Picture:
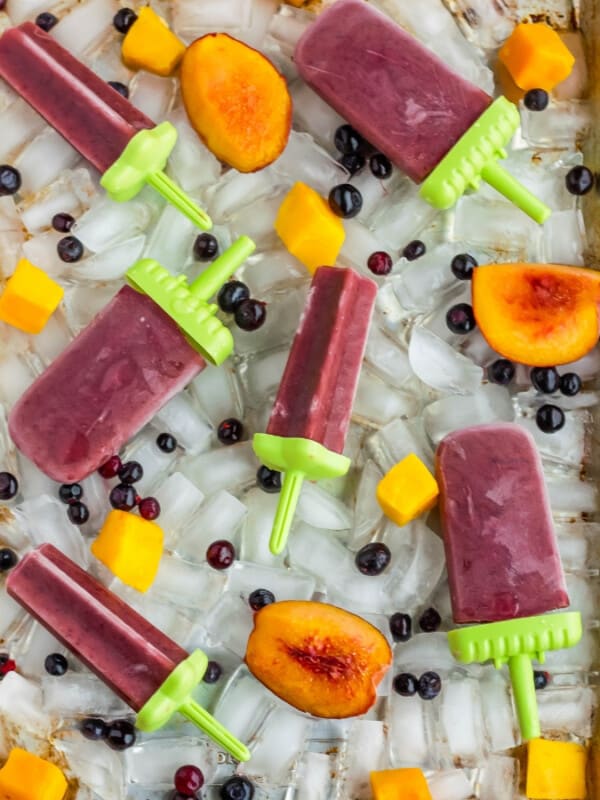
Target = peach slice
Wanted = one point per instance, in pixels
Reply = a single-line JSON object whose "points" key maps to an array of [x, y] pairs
{"points": [[317, 657], [537, 314]]}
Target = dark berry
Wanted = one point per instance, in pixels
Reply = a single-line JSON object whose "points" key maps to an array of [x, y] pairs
{"points": [[460, 318], [502, 371], [231, 295], [131, 472], [213, 672], [46, 21], [10, 180], [401, 627], [124, 19], [540, 679], [430, 620], [570, 384], [93, 728], [269, 480], [123, 497], [353, 162], [70, 492], [78, 513], [7, 664], [9, 486], [549, 418], [149, 508], [373, 558], [56, 664], [220, 554], [63, 222], [462, 266], [250, 314], [69, 249], [166, 442], [414, 250], [237, 788], [120, 734], [188, 780], [8, 559], [260, 598], [381, 166], [230, 431], [347, 140], [380, 263], [545, 379], [405, 684], [206, 247], [536, 99], [345, 200], [579, 180], [121, 88], [430, 685], [111, 467]]}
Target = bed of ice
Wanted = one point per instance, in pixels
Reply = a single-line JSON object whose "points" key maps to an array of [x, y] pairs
{"points": [[419, 382]]}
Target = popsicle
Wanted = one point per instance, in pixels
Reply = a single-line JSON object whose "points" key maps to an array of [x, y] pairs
{"points": [[502, 556], [437, 127], [307, 429], [137, 353], [149, 671], [121, 142]]}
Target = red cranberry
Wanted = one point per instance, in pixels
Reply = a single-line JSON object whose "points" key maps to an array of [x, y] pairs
{"points": [[188, 779], [7, 664], [149, 508], [380, 263], [220, 554], [111, 467]]}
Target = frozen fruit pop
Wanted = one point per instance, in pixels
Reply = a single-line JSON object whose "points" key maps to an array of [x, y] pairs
{"points": [[437, 127], [307, 429], [149, 671], [136, 354], [121, 142]]}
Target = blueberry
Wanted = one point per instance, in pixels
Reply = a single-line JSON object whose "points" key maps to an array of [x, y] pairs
{"points": [[545, 379], [131, 472], [353, 162], [269, 480], [579, 180], [460, 318], [260, 598], [430, 685], [78, 513], [250, 314], [536, 99], [570, 384], [119, 87], [430, 620], [206, 247], [373, 558], [414, 250], [347, 140], [63, 222], [56, 664], [10, 180], [213, 672], [540, 679], [69, 249], [8, 559], [230, 431], [70, 492], [120, 734], [463, 265], [93, 728], [231, 295], [166, 442], [549, 418], [381, 166], [237, 788], [124, 19], [123, 497], [9, 486], [345, 200], [501, 371], [406, 684], [46, 21], [401, 627]]}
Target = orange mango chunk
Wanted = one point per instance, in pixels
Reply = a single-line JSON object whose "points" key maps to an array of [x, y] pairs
{"points": [[556, 770], [30, 298], [399, 784], [149, 44], [25, 776], [407, 490], [536, 56]]}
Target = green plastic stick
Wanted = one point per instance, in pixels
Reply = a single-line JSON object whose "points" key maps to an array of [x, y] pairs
{"points": [[213, 728], [286, 508], [523, 685], [222, 268], [175, 195]]}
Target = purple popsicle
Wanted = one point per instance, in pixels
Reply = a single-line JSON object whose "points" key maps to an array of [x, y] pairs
{"points": [[501, 549]]}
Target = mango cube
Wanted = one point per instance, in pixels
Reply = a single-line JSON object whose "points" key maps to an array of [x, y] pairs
{"points": [[149, 44], [28, 777], [556, 770], [130, 547], [399, 784], [309, 228], [407, 490], [536, 57], [30, 298]]}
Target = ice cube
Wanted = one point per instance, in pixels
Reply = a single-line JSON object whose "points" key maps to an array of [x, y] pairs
{"points": [[410, 733], [256, 531], [42, 161], [367, 511], [497, 225], [11, 615], [217, 392], [256, 219], [181, 418], [232, 467], [45, 520], [82, 303], [403, 217], [303, 160], [53, 339], [153, 762], [245, 577], [565, 710], [418, 563], [80, 695], [462, 720], [440, 366], [399, 439], [451, 784], [272, 269], [487, 24], [183, 583], [152, 94], [387, 357], [110, 264], [563, 241], [30, 651], [230, 623], [377, 403], [191, 19], [20, 124], [277, 747], [179, 500], [107, 223], [489, 403], [235, 190], [363, 753], [360, 243], [244, 705], [16, 374], [571, 495], [314, 777], [99, 768], [61, 196], [499, 779], [320, 509], [22, 722], [565, 447], [219, 518], [561, 124], [263, 375], [191, 163], [171, 240], [314, 115], [85, 25], [500, 719], [41, 251]]}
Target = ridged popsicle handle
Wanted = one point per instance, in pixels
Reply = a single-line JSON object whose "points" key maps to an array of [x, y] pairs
{"points": [[213, 728]]}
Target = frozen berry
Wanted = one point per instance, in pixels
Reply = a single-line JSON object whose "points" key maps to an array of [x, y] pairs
{"points": [[414, 250], [430, 620], [545, 379], [401, 627], [8, 559], [131, 472], [149, 508], [188, 779], [353, 162], [10, 180], [347, 140], [381, 166], [120, 734], [56, 664], [220, 554], [70, 492], [231, 295], [540, 679], [213, 672], [78, 513], [405, 684], [345, 200], [269, 480], [63, 222], [570, 384], [110, 468], [430, 685], [460, 318], [123, 497], [549, 418], [230, 431], [7, 664], [119, 87], [536, 99], [166, 442], [237, 788], [373, 558], [260, 598], [462, 266], [380, 263], [579, 180], [206, 247], [93, 728], [250, 314], [69, 249], [46, 21], [124, 19], [501, 371], [9, 486]]}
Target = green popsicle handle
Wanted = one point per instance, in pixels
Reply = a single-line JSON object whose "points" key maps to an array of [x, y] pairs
{"points": [[175, 195], [213, 728], [210, 281], [505, 183], [521, 676], [288, 500]]}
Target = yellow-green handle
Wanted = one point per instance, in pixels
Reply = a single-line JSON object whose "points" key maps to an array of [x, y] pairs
{"points": [[213, 728], [505, 183], [521, 675], [175, 195], [288, 500]]}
